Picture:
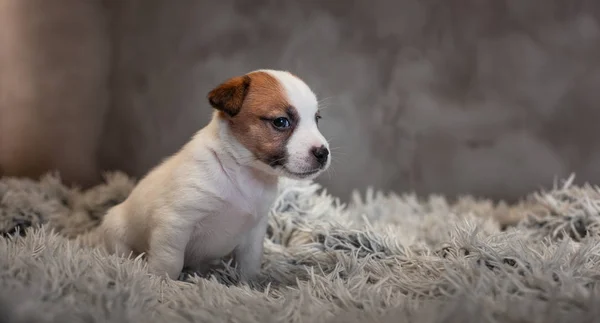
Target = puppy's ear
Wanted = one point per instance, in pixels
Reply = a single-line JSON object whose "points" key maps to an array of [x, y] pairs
{"points": [[229, 95]]}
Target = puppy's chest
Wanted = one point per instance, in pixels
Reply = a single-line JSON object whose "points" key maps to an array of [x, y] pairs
{"points": [[217, 234], [248, 194]]}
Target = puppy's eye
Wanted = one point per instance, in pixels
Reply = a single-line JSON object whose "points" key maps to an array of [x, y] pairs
{"points": [[281, 123], [317, 118]]}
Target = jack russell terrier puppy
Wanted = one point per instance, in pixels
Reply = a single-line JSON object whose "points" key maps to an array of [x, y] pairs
{"points": [[212, 198]]}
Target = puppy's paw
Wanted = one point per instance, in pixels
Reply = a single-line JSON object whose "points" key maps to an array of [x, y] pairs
{"points": [[254, 276], [258, 282]]}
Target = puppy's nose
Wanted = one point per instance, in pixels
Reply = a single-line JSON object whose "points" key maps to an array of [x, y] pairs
{"points": [[321, 154]]}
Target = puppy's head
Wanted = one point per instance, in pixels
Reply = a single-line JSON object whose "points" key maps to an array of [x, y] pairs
{"points": [[274, 115]]}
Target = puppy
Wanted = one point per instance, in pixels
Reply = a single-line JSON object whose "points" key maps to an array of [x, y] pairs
{"points": [[212, 198]]}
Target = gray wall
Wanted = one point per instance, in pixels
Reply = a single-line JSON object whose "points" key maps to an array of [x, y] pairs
{"points": [[490, 97]]}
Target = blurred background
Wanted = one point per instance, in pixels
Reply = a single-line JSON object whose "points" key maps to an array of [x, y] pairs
{"points": [[494, 98]]}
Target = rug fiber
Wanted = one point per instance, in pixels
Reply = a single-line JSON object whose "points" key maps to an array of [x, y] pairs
{"points": [[381, 258]]}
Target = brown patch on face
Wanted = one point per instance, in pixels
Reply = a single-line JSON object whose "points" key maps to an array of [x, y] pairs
{"points": [[252, 125]]}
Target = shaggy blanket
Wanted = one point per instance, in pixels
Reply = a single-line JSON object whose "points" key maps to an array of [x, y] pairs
{"points": [[381, 258]]}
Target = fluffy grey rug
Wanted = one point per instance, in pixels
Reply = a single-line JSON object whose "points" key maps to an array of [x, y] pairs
{"points": [[382, 258]]}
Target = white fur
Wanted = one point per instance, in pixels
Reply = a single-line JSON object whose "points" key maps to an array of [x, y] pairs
{"points": [[209, 199]]}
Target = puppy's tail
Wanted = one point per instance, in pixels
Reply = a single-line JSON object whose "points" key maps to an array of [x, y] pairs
{"points": [[107, 236]]}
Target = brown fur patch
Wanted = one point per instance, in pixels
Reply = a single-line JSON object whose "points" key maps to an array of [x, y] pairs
{"points": [[265, 101], [229, 95]]}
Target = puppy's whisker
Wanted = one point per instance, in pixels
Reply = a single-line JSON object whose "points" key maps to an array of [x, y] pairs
{"points": [[324, 99], [330, 170], [325, 108], [336, 154]]}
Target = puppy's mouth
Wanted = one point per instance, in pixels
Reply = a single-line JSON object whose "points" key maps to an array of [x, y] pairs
{"points": [[301, 174]]}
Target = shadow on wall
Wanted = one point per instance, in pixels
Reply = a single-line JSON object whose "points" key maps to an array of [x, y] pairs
{"points": [[488, 97]]}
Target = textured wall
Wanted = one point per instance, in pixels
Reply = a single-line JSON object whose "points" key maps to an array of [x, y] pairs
{"points": [[489, 97], [54, 65]]}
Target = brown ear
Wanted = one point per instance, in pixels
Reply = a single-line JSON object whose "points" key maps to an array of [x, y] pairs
{"points": [[229, 96]]}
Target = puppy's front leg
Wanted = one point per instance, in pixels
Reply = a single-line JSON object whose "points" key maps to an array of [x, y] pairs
{"points": [[249, 253], [167, 251]]}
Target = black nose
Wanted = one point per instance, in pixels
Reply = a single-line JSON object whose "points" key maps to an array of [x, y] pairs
{"points": [[321, 154]]}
